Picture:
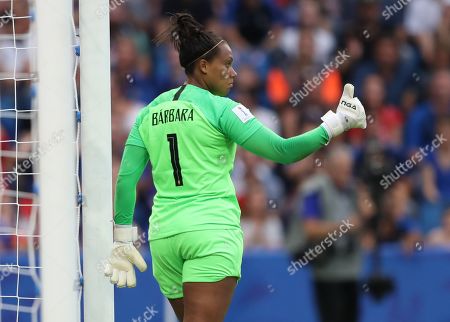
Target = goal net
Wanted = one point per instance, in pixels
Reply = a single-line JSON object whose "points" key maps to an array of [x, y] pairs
{"points": [[21, 154]]}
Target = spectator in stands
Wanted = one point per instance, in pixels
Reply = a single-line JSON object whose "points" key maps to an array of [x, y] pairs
{"points": [[385, 120], [423, 19], [440, 236], [395, 221], [441, 59], [312, 35], [328, 201], [249, 21], [260, 222], [420, 128], [395, 70], [436, 179]]}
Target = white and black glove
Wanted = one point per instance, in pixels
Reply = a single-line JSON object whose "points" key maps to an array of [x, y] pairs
{"points": [[123, 255], [349, 114]]}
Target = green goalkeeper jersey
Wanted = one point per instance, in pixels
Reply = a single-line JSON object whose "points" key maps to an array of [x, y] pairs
{"points": [[191, 158], [190, 138]]}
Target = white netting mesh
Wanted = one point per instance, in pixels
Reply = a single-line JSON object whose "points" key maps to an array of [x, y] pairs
{"points": [[19, 159], [79, 283]]}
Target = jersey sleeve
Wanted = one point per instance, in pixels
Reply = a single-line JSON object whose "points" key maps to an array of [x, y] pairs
{"points": [[131, 168], [238, 123], [134, 138], [269, 145]]}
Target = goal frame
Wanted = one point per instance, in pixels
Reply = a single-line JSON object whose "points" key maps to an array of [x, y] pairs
{"points": [[57, 182], [96, 156]]}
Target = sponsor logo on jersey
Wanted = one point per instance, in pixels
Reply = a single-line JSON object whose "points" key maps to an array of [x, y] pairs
{"points": [[172, 115], [243, 113]]}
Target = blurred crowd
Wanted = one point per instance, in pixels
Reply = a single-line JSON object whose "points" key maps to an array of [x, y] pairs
{"points": [[392, 180]]}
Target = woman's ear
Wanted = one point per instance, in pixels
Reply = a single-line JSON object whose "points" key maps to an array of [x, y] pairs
{"points": [[203, 66]]}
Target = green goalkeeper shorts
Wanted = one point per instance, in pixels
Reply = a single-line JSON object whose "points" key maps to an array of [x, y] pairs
{"points": [[196, 256]]}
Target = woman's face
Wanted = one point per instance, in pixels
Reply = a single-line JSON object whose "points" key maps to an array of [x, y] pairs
{"points": [[218, 73]]}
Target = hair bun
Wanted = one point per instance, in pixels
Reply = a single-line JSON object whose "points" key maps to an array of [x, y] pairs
{"points": [[189, 38], [185, 26]]}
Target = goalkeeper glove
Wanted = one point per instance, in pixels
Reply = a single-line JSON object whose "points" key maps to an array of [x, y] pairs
{"points": [[119, 266], [349, 114]]}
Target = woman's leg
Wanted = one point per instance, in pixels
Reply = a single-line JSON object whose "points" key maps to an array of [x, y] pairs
{"points": [[178, 307], [207, 302], [167, 269]]}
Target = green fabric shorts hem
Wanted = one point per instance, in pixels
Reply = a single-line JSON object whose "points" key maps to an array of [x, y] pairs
{"points": [[196, 256]]}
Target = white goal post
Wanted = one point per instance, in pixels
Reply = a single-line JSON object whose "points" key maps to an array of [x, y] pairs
{"points": [[58, 219], [96, 158]]}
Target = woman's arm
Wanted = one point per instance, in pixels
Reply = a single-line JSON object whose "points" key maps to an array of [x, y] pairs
{"points": [[242, 127], [269, 145], [252, 135], [133, 163]]}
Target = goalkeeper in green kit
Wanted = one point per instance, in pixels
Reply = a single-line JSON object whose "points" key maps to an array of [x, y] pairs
{"points": [[189, 135]]}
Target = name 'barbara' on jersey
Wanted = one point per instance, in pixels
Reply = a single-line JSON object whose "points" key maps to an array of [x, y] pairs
{"points": [[172, 115]]}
